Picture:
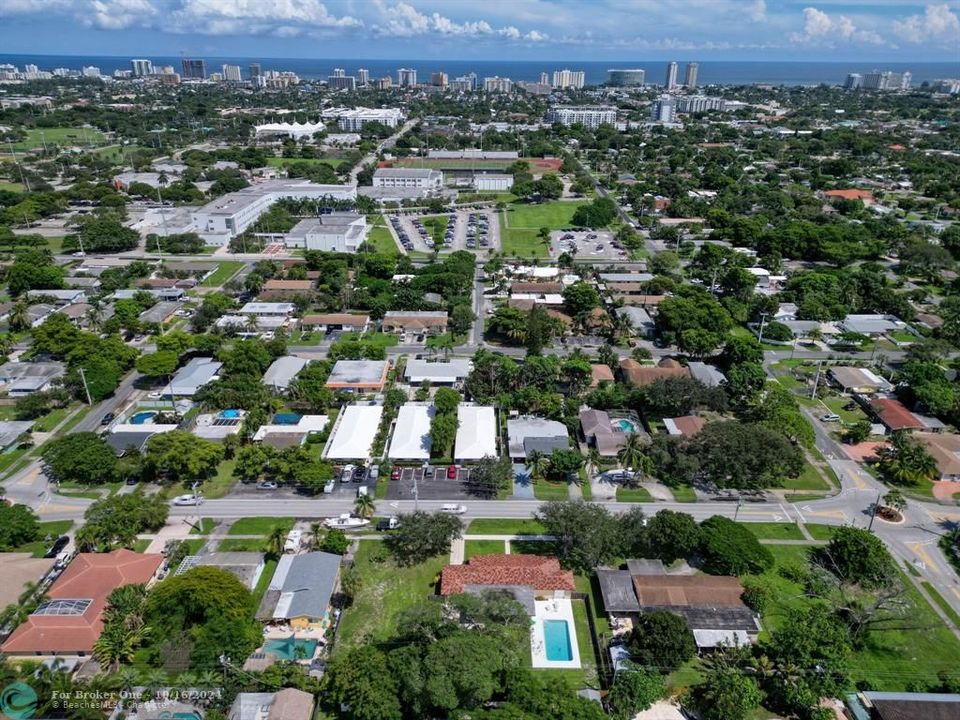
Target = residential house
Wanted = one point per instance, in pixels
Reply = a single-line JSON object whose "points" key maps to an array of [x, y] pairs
{"points": [[69, 619], [437, 372], [605, 434], [894, 415], [354, 432], [642, 375], [526, 434], [160, 313], [706, 374], [944, 448], [858, 381], [287, 430], [864, 196], [286, 704], [358, 375], [192, 376], [335, 322], [873, 324], [476, 433], [427, 322], [281, 373], [640, 320], [59, 297], [280, 289], [874, 705], [300, 591], [600, 373], [25, 378], [527, 577], [268, 309], [11, 431], [685, 425], [411, 438]]}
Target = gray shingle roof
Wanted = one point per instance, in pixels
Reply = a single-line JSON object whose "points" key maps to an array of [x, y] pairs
{"points": [[301, 586]]}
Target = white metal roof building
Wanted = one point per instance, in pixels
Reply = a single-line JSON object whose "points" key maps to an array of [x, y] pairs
{"points": [[268, 308], [407, 178], [333, 232], [193, 376], [354, 432], [282, 371], [411, 433], [477, 432], [446, 372]]}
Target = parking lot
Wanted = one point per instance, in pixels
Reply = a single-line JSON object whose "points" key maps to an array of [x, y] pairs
{"points": [[476, 231], [591, 244], [432, 484], [341, 489]]}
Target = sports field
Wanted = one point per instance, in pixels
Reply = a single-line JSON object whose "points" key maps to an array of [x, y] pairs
{"points": [[62, 136], [537, 165]]}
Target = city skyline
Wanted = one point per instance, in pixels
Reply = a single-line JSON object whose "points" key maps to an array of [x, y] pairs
{"points": [[837, 30]]}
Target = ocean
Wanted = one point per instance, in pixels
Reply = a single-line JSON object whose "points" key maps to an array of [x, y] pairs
{"points": [[711, 72]]}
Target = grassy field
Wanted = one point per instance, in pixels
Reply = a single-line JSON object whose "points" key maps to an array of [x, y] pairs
{"points": [[544, 490], [483, 547], [205, 527], [684, 493], [259, 525], [820, 532], [504, 526], [59, 136], [944, 605], [775, 531], [269, 568], [809, 479], [633, 495], [381, 239], [520, 224], [283, 162], [385, 590], [223, 273], [12, 186], [242, 545]]}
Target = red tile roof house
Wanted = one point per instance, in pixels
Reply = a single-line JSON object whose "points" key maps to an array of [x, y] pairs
{"points": [[895, 416], [69, 621], [542, 575], [864, 196]]}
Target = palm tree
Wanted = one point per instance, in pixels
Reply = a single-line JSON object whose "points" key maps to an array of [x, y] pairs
{"points": [[115, 645], [593, 460], [317, 532], [364, 506], [907, 462], [537, 462], [127, 678], [276, 539], [187, 680], [631, 454], [208, 679], [154, 679], [19, 318], [94, 316], [895, 501]]}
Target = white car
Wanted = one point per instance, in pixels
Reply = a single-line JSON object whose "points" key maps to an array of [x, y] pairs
{"points": [[188, 500], [453, 509], [830, 417]]}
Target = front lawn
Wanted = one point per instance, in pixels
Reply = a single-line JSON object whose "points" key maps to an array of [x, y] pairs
{"points": [[637, 495], [504, 526], [386, 589], [820, 532], [775, 531], [684, 493], [259, 525], [809, 479], [381, 239], [242, 545], [546, 490], [49, 531], [483, 547]]}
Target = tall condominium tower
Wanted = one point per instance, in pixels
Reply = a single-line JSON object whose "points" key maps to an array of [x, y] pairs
{"points": [[671, 80], [690, 75]]}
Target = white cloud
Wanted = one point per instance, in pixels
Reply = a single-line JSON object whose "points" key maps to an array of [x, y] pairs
{"points": [[937, 22], [820, 28], [243, 17], [758, 10], [119, 14], [403, 20], [25, 7]]}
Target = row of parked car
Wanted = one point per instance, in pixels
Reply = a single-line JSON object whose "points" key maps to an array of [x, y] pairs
{"points": [[401, 233], [478, 230]]}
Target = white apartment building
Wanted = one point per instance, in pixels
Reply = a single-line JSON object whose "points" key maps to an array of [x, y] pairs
{"points": [[417, 178], [336, 232], [626, 77], [407, 77], [363, 76], [664, 110], [591, 117], [141, 68], [563, 79], [699, 103], [886, 80], [354, 120], [671, 80], [497, 84], [221, 220], [231, 73], [690, 75]]}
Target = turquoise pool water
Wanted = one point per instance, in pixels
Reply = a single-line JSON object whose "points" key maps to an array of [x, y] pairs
{"points": [[288, 649], [286, 419], [626, 426], [556, 640], [142, 418], [230, 414]]}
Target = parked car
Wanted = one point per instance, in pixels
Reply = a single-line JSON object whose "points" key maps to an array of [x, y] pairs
{"points": [[188, 500], [58, 545], [830, 417], [374, 472], [347, 473], [359, 473], [390, 523], [328, 488], [453, 509], [395, 473], [107, 419], [268, 485], [452, 472], [363, 491]]}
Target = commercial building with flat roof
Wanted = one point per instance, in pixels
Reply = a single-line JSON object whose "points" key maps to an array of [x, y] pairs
{"points": [[222, 219], [353, 433], [626, 77], [441, 372], [334, 232], [419, 178], [353, 120], [591, 117]]}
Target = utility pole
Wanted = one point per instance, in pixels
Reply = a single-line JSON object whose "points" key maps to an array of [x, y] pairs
{"points": [[876, 506], [86, 389], [763, 320], [816, 381]]}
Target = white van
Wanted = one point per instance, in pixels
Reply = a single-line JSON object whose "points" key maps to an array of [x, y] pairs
{"points": [[363, 491]]}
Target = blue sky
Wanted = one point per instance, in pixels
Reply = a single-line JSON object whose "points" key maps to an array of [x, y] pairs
{"points": [[820, 30]]}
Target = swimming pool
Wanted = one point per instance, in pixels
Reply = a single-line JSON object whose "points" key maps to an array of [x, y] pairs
{"points": [[142, 418], [627, 426], [286, 418], [230, 414], [291, 649], [556, 637]]}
